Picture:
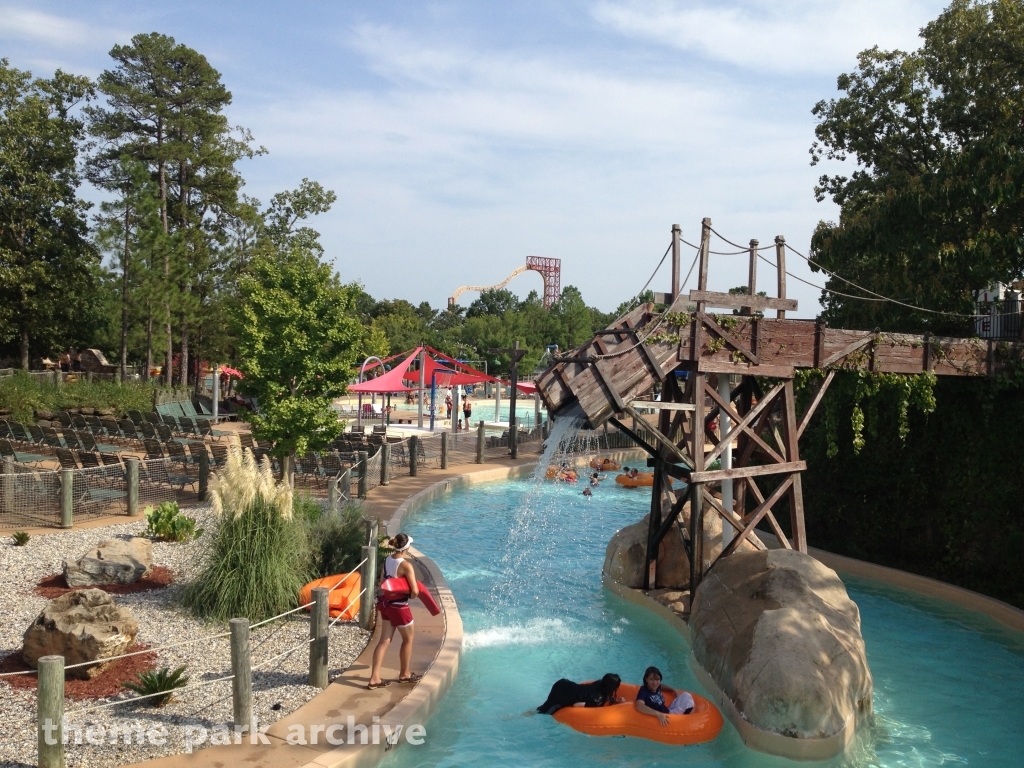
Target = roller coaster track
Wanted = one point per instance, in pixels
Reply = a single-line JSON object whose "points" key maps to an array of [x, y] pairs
{"points": [[550, 270]]}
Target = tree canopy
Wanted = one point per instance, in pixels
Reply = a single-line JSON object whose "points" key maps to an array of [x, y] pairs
{"points": [[932, 210]]}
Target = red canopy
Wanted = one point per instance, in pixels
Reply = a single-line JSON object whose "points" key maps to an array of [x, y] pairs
{"points": [[390, 381], [527, 387], [231, 372], [445, 376]]}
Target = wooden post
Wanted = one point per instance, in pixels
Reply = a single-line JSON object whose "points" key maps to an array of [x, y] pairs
{"points": [[67, 498], [372, 526], [697, 489], [385, 463], [368, 579], [345, 484], [332, 495], [414, 446], [361, 459], [480, 443], [204, 474], [780, 259], [319, 621], [50, 712], [444, 450], [796, 493], [132, 481], [751, 276], [241, 668], [677, 233]]}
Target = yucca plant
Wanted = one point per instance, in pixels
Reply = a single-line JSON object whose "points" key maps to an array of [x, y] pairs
{"points": [[161, 681], [20, 538], [166, 523], [258, 558]]}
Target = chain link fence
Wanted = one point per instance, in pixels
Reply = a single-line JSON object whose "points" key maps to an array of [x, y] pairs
{"points": [[28, 497]]}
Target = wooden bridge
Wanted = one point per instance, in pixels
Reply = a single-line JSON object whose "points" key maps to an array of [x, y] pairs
{"points": [[681, 349]]}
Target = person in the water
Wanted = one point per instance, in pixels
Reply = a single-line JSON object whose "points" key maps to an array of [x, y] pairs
{"points": [[566, 693], [650, 699]]}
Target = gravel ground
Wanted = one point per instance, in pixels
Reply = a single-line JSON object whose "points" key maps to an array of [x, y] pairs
{"points": [[279, 688]]}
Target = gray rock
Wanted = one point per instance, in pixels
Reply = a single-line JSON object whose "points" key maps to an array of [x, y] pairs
{"points": [[781, 637], [114, 561], [81, 626], [624, 558]]}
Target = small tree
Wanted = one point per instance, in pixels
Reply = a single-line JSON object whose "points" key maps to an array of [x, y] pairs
{"points": [[298, 343]]}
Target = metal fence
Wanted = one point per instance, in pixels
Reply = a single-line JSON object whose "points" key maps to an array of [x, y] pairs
{"points": [[36, 497]]}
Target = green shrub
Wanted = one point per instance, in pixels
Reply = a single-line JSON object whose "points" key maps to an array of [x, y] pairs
{"points": [[257, 562], [166, 523], [23, 395], [307, 509], [336, 540], [163, 680], [20, 538]]}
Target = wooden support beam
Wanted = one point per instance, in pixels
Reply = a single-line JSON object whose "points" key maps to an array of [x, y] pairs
{"points": [[731, 518], [742, 424], [740, 301], [696, 493], [714, 475], [757, 514], [780, 262], [725, 336], [796, 495], [706, 365], [814, 404], [673, 449], [847, 350], [634, 436], [660, 405]]}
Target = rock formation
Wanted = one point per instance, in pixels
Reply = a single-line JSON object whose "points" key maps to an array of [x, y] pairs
{"points": [[83, 625], [114, 561], [780, 636], [624, 558]]}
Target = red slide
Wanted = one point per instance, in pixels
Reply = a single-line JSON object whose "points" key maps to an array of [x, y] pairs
{"points": [[398, 589]]}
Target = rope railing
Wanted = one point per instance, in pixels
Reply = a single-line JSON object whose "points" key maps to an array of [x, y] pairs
{"points": [[108, 704]]}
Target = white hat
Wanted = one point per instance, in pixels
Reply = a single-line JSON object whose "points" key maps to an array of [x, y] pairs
{"points": [[407, 545]]}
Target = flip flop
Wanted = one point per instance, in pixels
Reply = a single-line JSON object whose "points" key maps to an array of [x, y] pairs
{"points": [[381, 684], [410, 679]]}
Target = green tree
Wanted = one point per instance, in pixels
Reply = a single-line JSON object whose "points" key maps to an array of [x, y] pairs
{"points": [[48, 269], [932, 210], [298, 344]]}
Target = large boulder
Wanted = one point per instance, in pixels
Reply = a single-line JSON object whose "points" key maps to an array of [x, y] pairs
{"points": [[781, 637], [627, 550], [84, 625], [114, 561]]}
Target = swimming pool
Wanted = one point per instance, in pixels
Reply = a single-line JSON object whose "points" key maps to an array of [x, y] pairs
{"points": [[523, 560]]}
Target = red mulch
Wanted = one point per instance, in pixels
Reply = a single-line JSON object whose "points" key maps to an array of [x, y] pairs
{"points": [[106, 683], [55, 586]]}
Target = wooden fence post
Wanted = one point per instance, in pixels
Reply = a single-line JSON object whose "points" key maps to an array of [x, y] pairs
{"points": [[332, 495], [414, 445], [7, 500], [345, 485], [204, 474], [50, 712], [67, 498], [319, 621], [368, 581], [444, 450], [480, 443], [361, 457], [385, 463], [132, 481], [241, 668]]}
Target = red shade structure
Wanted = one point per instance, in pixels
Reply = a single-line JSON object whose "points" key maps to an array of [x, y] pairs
{"points": [[392, 381], [447, 375]]}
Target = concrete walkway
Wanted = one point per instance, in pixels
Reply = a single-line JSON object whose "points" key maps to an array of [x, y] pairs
{"points": [[436, 653]]}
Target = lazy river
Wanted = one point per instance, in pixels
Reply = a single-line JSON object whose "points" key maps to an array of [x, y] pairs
{"points": [[523, 559]]}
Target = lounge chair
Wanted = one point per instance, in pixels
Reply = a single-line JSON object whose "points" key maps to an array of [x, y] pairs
{"points": [[35, 434], [148, 432], [154, 450], [78, 421], [51, 438], [94, 424], [111, 427], [135, 416], [64, 418], [7, 451], [129, 429], [111, 460], [67, 459], [177, 453], [89, 460]]}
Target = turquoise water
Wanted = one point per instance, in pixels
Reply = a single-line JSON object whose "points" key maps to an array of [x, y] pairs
{"points": [[524, 563]]}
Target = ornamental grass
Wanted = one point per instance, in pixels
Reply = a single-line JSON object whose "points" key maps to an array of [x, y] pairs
{"points": [[258, 557]]}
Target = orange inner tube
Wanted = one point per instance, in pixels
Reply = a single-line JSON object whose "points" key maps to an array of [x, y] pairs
{"points": [[605, 464], [703, 724], [643, 479], [343, 601]]}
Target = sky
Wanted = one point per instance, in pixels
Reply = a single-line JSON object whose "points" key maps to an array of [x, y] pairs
{"points": [[461, 137]]}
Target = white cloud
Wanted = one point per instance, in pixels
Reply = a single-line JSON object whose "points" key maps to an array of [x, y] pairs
{"points": [[787, 36], [35, 26]]}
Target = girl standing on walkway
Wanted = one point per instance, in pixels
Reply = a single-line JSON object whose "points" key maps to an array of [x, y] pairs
{"points": [[467, 410], [396, 614]]}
